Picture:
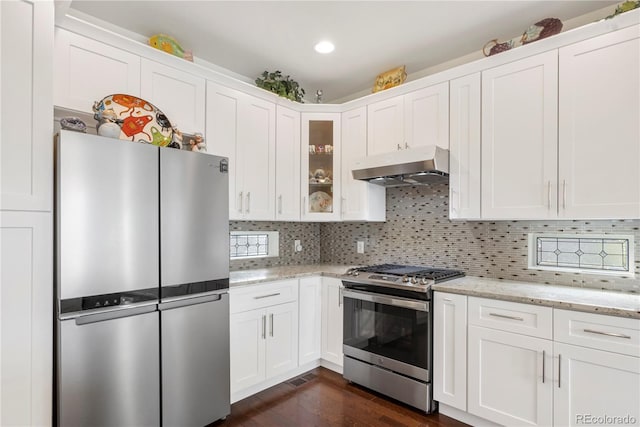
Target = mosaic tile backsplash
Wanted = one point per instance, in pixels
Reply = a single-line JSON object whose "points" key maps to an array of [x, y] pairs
{"points": [[418, 231]]}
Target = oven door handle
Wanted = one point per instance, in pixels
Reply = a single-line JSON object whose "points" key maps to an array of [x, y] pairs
{"points": [[387, 300]]}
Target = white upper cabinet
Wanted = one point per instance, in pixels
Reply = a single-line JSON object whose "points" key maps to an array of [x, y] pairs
{"points": [[386, 126], [464, 150], [599, 109], [243, 128], [408, 121], [223, 110], [87, 70], [256, 147], [520, 139], [361, 201], [26, 117], [287, 164], [320, 157], [179, 95], [427, 117]]}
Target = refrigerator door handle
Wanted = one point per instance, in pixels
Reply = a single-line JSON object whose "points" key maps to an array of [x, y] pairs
{"points": [[188, 301], [114, 314]]}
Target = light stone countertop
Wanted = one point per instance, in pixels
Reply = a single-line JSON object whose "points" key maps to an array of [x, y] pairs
{"points": [[565, 297], [613, 303], [250, 277]]}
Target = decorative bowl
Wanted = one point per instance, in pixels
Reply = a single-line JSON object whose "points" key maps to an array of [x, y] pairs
{"points": [[139, 120]]}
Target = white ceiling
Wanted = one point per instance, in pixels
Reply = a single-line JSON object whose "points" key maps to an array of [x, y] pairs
{"points": [[248, 37]]}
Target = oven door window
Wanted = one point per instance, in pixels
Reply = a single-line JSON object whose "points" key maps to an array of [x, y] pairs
{"points": [[395, 332]]}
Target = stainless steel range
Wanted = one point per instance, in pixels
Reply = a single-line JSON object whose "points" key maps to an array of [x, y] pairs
{"points": [[388, 330]]}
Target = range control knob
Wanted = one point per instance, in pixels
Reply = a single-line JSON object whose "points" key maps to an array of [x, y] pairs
{"points": [[405, 279], [356, 273], [414, 280], [425, 281]]}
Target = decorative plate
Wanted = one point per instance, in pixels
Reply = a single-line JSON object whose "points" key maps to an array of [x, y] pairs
{"points": [[320, 202], [138, 119]]}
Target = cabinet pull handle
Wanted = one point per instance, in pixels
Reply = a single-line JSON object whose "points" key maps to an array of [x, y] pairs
{"points": [[549, 194], [248, 201], [564, 194], [271, 324], [504, 316], [406, 145], [343, 207], [304, 205], [240, 210], [264, 327], [267, 296], [399, 147], [340, 297], [609, 334], [559, 370], [280, 204], [543, 357]]}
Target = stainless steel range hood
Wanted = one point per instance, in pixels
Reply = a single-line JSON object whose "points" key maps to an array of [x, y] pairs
{"points": [[413, 166]]}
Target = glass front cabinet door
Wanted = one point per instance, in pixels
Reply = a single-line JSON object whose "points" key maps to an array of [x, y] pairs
{"points": [[320, 167]]}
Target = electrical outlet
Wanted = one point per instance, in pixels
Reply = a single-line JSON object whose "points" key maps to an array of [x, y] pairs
{"points": [[360, 247], [297, 246]]}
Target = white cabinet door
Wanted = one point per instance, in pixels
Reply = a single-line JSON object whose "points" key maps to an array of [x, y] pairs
{"points": [[332, 320], [361, 201], [179, 95], [282, 339], [386, 126], [464, 151], [510, 380], [519, 139], [223, 112], [243, 128], [26, 316], [26, 111], [87, 70], [287, 167], [320, 157], [426, 120], [599, 149], [310, 319], [450, 349], [594, 383], [248, 348], [256, 158]]}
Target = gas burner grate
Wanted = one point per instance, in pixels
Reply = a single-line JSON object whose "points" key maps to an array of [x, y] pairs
{"points": [[420, 272]]}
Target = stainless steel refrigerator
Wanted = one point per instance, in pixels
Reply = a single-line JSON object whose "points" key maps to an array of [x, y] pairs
{"points": [[142, 268]]}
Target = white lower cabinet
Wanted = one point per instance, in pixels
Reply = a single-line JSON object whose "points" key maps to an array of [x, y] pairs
{"points": [[332, 320], [595, 387], [509, 377], [310, 320], [517, 375], [450, 349], [264, 343], [264, 333]]}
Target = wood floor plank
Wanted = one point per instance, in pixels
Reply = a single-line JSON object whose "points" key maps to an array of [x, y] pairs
{"points": [[323, 398]]}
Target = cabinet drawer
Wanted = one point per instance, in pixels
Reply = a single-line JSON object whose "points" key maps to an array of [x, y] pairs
{"points": [[263, 295], [508, 316], [609, 333]]}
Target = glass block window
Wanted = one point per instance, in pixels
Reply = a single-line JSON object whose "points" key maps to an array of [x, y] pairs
{"points": [[253, 244], [603, 254]]}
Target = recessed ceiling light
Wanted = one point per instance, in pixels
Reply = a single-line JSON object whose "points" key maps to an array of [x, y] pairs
{"points": [[324, 47]]}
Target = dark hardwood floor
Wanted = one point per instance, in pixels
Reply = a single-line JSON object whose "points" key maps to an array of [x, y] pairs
{"points": [[323, 398]]}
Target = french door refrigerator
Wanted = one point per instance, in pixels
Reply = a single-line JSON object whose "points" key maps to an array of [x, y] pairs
{"points": [[142, 267]]}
